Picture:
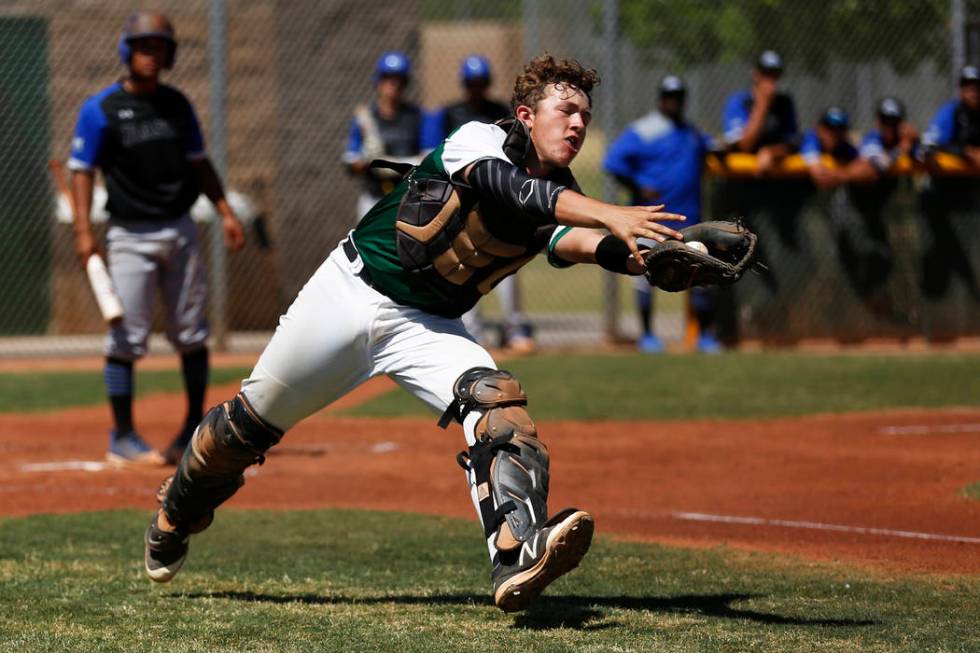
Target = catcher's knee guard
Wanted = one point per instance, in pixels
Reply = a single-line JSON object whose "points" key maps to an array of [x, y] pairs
{"points": [[508, 462], [230, 438]]}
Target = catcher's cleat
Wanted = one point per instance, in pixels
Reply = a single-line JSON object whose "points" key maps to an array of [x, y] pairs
{"points": [[130, 449], [165, 551], [553, 551]]}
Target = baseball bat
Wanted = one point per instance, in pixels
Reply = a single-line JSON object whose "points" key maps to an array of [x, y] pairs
{"points": [[98, 276]]}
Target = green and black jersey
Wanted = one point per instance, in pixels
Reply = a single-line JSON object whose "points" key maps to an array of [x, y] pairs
{"points": [[376, 240]]}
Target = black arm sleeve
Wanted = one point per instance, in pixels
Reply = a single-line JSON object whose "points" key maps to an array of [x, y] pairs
{"points": [[613, 254], [511, 188]]}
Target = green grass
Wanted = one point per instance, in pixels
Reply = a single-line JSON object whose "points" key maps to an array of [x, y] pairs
{"points": [[630, 387], [32, 392], [356, 581], [728, 386], [579, 288], [972, 491]]}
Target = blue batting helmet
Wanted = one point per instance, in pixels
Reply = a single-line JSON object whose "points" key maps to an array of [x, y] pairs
{"points": [[474, 67], [147, 24], [392, 62]]}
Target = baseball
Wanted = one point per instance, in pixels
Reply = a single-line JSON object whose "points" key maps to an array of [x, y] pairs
{"points": [[698, 245]]}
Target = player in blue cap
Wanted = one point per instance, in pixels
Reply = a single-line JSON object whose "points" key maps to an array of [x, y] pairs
{"points": [[388, 128], [659, 159], [762, 120], [476, 77], [830, 138], [145, 138], [955, 130]]}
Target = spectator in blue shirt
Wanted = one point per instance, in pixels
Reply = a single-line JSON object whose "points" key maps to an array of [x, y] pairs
{"points": [[956, 126], [476, 77], [862, 237], [659, 159], [828, 138], [389, 128], [762, 120], [955, 129]]}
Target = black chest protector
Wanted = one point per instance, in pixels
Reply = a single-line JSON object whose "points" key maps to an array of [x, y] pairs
{"points": [[462, 243]]}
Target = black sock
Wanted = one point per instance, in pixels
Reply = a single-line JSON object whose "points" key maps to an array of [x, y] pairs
{"points": [[119, 387], [194, 366], [644, 310]]}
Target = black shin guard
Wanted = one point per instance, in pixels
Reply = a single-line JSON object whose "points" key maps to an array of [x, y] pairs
{"points": [[508, 463], [230, 438]]}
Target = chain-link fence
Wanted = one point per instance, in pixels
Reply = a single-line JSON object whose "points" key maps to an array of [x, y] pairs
{"points": [[276, 84]]}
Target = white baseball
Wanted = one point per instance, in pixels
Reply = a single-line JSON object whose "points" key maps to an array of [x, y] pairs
{"points": [[698, 245]]}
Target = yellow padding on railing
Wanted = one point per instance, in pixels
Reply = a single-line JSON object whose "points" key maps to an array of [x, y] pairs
{"points": [[741, 164]]}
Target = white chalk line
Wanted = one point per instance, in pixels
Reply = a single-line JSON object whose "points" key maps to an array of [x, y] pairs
{"points": [[929, 428], [65, 466], [759, 521], [378, 448]]}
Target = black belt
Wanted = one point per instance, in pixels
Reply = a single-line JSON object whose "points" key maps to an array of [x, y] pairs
{"points": [[351, 251]]}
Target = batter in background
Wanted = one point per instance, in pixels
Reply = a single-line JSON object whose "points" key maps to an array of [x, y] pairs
{"points": [[145, 138], [475, 75], [659, 159], [388, 300], [389, 128]]}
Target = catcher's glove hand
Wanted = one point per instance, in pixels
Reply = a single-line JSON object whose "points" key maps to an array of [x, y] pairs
{"points": [[673, 266]]}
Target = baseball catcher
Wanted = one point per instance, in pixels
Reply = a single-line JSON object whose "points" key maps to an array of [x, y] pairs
{"points": [[388, 300]]}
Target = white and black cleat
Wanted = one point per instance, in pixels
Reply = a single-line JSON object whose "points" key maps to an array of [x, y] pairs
{"points": [[165, 552], [553, 551]]}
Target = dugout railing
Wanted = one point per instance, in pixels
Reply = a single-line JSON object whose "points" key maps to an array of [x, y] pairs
{"points": [[896, 259]]}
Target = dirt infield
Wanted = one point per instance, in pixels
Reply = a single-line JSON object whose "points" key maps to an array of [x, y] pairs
{"points": [[882, 489]]}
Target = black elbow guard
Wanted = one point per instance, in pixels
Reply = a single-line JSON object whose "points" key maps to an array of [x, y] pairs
{"points": [[512, 188]]}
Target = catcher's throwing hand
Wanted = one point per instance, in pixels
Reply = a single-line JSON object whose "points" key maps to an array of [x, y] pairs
{"points": [[673, 266], [631, 222]]}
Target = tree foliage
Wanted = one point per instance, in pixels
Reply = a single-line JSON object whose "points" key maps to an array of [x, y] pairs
{"points": [[808, 33]]}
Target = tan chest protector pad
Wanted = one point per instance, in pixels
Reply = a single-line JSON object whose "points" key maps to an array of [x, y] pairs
{"points": [[438, 230]]}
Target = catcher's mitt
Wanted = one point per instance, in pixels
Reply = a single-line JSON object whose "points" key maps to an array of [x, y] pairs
{"points": [[673, 266]]}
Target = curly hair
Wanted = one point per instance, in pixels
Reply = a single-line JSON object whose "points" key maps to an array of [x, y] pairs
{"points": [[530, 85]]}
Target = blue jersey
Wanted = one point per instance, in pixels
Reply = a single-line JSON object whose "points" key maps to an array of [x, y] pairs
{"points": [[779, 127], [811, 149], [443, 122], [881, 156], [659, 154], [953, 127], [401, 137], [144, 145]]}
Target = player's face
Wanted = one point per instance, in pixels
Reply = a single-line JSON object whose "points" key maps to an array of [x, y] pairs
{"points": [[672, 105], [149, 55], [476, 89], [391, 87], [888, 127], [558, 124], [830, 137], [970, 94]]}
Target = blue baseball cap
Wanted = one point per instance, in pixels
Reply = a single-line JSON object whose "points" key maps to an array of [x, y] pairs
{"points": [[770, 62], [891, 108], [672, 85], [835, 117], [474, 67], [392, 62], [969, 75]]}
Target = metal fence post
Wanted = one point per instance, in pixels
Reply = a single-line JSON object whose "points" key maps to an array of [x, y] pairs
{"points": [[217, 149], [610, 125], [957, 26]]}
